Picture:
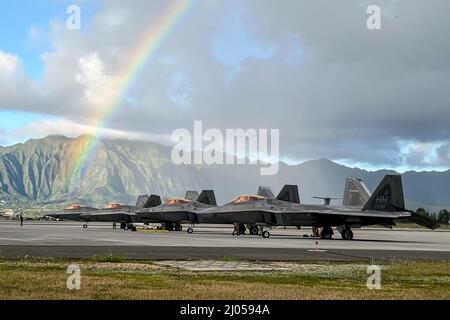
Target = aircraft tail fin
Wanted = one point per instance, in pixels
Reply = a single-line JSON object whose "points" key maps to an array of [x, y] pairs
{"points": [[207, 197], [265, 192], [152, 201], [289, 193], [191, 195], [141, 200], [356, 193], [388, 196]]}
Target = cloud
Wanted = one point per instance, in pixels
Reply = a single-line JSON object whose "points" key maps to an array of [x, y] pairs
{"points": [[443, 155], [40, 129], [310, 69], [8, 63]]}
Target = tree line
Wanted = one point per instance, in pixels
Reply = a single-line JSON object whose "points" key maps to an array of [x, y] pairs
{"points": [[441, 217]]}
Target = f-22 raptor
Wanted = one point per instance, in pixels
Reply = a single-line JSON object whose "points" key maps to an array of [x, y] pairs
{"points": [[383, 207], [123, 214], [174, 212]]}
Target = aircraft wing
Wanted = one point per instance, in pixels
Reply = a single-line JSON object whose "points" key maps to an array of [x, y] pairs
{"points": [[112, 216], [73, 216], [354, 213]]}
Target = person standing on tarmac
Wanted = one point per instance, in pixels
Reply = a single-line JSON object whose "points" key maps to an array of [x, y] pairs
{"points": [[236, 231], [21, 220]]}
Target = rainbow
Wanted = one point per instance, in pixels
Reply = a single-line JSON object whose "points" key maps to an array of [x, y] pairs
{"points": [[139, 56]]}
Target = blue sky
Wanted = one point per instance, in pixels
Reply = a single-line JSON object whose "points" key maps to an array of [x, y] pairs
{"points": [[19, 18], [15, 25], [25, 17], [25, 32]]}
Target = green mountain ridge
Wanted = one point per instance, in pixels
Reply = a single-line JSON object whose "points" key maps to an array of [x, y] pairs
{"points": [[43, 171]]}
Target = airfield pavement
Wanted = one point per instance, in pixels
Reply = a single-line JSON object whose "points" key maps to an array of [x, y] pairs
{"points": [[69, 240]]}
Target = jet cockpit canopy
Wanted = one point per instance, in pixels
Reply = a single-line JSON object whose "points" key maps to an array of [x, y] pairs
{"points": [[175, 202], [244, 199]]}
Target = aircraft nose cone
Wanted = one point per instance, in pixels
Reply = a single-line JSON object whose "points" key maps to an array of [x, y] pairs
{"points": [[52, 215]]}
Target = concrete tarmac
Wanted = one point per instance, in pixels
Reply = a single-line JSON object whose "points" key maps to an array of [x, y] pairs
{"points": [[69, 239]]}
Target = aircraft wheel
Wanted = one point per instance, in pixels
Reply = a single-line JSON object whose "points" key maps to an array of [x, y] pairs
{"points": [[327, 233], [170, 226], [347, 234], [254, 230], [84, 226], [266, 234], [178, 227], [190, 230]]}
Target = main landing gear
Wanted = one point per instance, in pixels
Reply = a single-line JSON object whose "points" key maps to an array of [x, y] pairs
{"points": [[263, 231], [85, 226], [253, 230], [346, 232], [127, 226], [171, 226], [327, 233]]}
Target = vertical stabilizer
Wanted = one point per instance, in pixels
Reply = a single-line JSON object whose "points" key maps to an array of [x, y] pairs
{"points": [[207, 197], [356, 193], [265, 192], [388, 196], [289, 193]]}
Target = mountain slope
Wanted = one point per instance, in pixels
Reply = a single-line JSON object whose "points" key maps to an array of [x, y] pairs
{"points": [[42, 170]]}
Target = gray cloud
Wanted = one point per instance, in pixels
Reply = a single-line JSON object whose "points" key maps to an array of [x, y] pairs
{"points": [[443, 155]]}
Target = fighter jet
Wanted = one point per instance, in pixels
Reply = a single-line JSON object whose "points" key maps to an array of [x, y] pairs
{"points": [[172, 213], [86, 214], [258, 211], [289, 193], [123, 214], [383, 207], [71, 212]]}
